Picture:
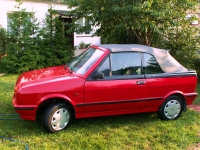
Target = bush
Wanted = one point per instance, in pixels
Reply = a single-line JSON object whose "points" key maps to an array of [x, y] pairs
{"points": [[197, 66], [181, 43], [3, 40], [31, 47]]}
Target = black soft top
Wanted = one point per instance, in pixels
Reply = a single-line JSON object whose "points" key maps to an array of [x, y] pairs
{"points": [[165, 60]]}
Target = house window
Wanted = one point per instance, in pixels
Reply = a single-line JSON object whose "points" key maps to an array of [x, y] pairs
{"points": [[83, 22], [23, 24], [9, 22]]}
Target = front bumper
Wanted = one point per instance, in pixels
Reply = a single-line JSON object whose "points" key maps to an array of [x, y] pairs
{"points": [[26, 112]]}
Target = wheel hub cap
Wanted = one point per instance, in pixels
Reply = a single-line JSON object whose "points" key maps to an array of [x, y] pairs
{"points": [[172, 109], [60, 119]]}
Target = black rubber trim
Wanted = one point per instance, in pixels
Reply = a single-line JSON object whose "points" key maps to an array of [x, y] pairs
{"points": [[191, 95], [171, 75], [153, 99], [122, 77], [25, 108], [79, 105], [118, 102], [114, 102]]}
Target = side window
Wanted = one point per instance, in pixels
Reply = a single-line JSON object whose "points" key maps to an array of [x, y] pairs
{"points": [[105, 67], [150, 65], [126, 63]]}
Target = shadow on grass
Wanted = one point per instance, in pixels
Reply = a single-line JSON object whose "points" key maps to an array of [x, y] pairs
{"points": [[116, 121], [27, 128], [99, 125], [140, 123]]}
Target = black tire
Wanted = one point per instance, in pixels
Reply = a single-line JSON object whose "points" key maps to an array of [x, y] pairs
{"points": [[171, 108], [57, 117]]}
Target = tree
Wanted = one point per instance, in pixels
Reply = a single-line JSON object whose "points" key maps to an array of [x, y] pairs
{"points": [[183, 44], [140, 19], [30, 44], [157, 23], [22, 39], [54, 46], [3, 42]]}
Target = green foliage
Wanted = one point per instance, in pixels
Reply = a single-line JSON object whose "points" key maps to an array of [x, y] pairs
{"points": [[197, 100], [83, 45], [182, 44], [54, 45], [115, 37], [3, 40], [158, 23], [142, 18], [31, 47], [197, 66], [22, 54]]}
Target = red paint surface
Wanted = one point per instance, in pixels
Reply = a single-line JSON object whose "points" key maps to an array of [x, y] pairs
{"points": [[97, 98]]}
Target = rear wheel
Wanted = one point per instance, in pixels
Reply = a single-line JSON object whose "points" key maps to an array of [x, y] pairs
{"points": [[57, 117], [171, 108]]}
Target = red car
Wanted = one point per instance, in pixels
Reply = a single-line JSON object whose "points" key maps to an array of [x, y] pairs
{"points": [[106, 80]]}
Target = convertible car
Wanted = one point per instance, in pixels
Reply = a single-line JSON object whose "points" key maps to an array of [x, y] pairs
{"points": [[110, 79]]}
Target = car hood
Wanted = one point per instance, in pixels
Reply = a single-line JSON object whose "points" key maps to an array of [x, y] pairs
{"points": [[42, 74]]}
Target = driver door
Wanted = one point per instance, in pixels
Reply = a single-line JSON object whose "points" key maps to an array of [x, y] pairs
{"points": [[122, 88]]}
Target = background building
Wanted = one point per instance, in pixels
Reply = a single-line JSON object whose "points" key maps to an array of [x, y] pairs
{"points": [[40, 8]]}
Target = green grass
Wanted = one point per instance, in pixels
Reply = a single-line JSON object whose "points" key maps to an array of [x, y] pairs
{"points": [[127, 132], [197, 100]]}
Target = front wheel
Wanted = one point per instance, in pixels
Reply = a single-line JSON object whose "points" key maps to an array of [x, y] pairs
{"points": [[171, 108], [57, 117]]}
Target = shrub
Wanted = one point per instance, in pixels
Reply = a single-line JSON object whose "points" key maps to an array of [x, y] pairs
{"points": [[3, 40], [197, 66], [30, 46], [182, 44]]}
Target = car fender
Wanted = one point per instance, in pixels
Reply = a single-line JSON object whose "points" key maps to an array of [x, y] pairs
{"points": [[56, 96], [175, 93]]}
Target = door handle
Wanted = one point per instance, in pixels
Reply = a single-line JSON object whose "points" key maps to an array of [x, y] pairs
{"points": [[140, 82]]}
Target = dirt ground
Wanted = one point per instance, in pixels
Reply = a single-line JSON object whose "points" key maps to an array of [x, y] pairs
{"points": [[1, 74], [194, 107]]}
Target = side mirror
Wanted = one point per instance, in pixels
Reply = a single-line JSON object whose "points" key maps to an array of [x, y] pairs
{"points": [[98, 75]]}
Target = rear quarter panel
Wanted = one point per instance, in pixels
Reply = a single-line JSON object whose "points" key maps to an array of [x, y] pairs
{"points": [[161, 88]]}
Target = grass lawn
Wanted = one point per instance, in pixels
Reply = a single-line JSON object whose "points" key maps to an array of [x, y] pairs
{"points": [[197, 100], [127, 132]]}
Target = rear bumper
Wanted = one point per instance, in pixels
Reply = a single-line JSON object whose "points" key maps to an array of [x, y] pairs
{"points": [[26, 112], [190, 97]]}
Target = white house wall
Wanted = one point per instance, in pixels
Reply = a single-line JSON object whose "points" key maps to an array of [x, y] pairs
{"points": [[40, 9], [86, 40]]}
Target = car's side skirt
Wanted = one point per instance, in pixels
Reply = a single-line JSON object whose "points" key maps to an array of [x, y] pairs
{"points": [[119, 101], [112, 113]]}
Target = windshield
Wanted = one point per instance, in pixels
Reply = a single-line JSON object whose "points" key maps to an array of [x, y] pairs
{"points": [[84, 61]]}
